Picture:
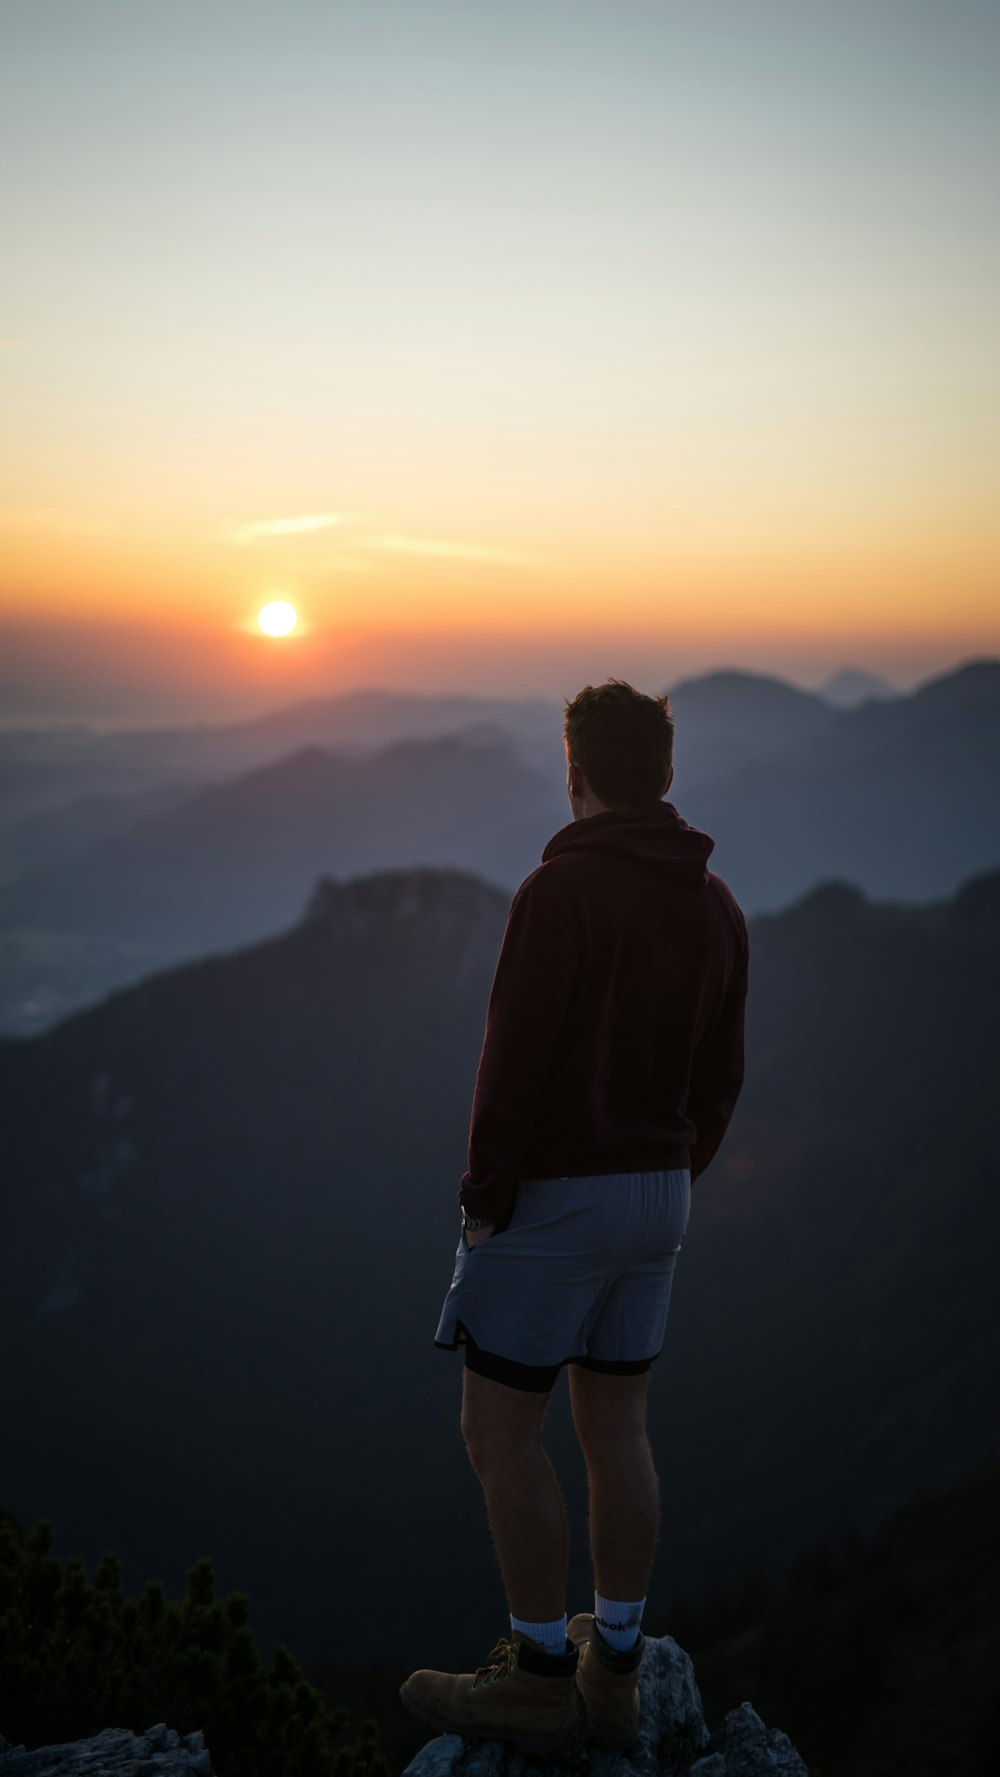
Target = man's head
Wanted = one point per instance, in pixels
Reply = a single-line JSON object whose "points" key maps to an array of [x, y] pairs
{"points": [[619, 748]]}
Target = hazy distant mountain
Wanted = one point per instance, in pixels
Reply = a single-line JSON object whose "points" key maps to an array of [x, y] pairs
{"points": [[729, 719], [901, 796], [723, 716], [51, 837], [850, 687], [364, 721], [64, 792], [46, 770], [229, 863], [41, 770], [229, 1218]]}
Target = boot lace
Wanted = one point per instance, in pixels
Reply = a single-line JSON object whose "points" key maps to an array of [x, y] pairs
{"points": [[500, 1664]]}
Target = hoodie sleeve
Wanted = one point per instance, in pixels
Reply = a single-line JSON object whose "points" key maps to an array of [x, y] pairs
{"points": [[717, 1069], [532, 988]]}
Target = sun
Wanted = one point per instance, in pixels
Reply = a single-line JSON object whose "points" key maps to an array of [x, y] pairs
{"points": [[278, 618]]}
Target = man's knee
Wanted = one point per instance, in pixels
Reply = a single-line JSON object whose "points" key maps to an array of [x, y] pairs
{"points": [[478, 1433], [609, 1414]]}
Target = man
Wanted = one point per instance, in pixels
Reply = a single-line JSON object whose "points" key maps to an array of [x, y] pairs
{"points": [[612, 1060]]}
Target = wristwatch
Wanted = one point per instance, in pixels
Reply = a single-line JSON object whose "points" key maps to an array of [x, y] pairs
{"points": [[472, 1224]]}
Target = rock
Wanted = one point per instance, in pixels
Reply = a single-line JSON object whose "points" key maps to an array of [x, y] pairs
{"points": [[673, 1739], [159, 1752], [439, 1756], [749, 1748]]}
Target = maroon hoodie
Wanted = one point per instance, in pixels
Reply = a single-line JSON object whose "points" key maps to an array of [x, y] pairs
{"points": [[614, 1035]]}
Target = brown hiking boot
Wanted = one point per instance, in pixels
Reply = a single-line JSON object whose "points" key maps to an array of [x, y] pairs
{"points": [[521, 1694], [608, 1682]]}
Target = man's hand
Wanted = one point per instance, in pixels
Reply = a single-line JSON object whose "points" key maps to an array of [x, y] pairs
{"points": [[475, 1236]]}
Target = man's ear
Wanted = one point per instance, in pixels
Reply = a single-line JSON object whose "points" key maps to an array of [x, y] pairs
{"points": [[574, 780], [669, 781]]}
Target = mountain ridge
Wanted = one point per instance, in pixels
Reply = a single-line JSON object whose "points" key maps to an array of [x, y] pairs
{"points": [[230, 1196]]}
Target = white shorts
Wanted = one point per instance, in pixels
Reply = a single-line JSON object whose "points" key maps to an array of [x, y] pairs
{"points": [[581, 1274]]}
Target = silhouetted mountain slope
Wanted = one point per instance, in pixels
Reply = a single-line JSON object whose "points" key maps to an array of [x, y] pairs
{"points": [[218, 1187], [850, 1226], [229, 1215], [881, 1656]]}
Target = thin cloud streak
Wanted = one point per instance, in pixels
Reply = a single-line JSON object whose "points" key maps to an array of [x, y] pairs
{"points": [[283, 527], [435, 546]]}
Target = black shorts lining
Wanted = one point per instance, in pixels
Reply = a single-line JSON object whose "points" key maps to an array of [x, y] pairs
{"points": [[611, 1367], [536, 1378], [532, 1378]]}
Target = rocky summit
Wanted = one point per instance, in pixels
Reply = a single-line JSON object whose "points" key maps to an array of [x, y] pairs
{"points": [[159, 1752], [674, 1740]]}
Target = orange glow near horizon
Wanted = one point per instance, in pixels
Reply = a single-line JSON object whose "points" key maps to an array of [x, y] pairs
{"points": [[767, 586]]}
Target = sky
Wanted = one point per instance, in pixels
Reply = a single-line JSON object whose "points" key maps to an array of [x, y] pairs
{"points": [[514, 344]]}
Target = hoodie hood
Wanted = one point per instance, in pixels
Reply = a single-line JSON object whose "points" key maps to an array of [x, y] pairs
{"points": [[656, 836]]}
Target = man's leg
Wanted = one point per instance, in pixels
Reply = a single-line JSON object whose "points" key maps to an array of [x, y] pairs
{"points": [[524, 1693], [609, 1413], [502, 1428]]}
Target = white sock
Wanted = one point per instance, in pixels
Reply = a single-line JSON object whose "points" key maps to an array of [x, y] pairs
{"points": [[552, 1636], [617, 1622]]}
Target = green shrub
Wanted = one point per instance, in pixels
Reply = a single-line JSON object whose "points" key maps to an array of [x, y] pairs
{"points": [[77, 1657]]}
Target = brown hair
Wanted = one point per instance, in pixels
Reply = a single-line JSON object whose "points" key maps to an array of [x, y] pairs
{"points": [[622, 741]]}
